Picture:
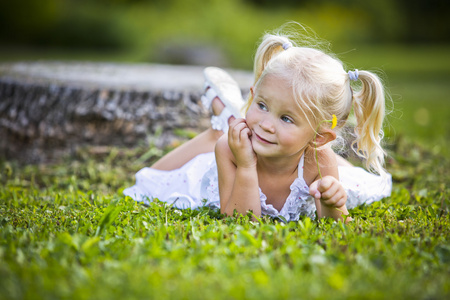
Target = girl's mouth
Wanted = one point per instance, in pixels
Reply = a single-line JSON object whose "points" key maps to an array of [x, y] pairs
{"points": [[259, 138]]}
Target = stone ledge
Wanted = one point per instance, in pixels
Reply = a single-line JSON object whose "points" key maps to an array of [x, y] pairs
{"points": [[50, 108]]}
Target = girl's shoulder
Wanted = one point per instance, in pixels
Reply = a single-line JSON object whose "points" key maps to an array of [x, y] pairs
{"points": [[309, 166]]}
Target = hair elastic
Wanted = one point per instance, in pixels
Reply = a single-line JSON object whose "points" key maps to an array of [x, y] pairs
{"points": [[353, 75], [287, 45]]}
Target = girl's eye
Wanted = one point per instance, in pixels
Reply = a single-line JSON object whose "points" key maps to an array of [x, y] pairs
{"points": [[287, 119], [262, 106]]}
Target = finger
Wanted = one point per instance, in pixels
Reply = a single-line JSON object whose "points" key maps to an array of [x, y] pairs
{"points": [[317, 195], [337, 200], [331, 191], [235, 132], [342, 201], [313, 188], [245, 134], [236, 121], [250, 133], [325, 183]]}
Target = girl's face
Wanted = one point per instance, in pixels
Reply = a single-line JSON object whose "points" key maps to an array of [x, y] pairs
{"points": [[279, 127]]}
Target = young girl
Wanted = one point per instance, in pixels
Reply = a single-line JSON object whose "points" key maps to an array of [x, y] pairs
{"points": [[277, 160]]}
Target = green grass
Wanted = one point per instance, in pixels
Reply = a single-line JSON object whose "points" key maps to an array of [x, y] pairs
{"points": [[66, 231]]}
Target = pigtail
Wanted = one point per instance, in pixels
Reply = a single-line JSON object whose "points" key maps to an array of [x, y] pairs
{"points": [[270, 46], [369, 109]]}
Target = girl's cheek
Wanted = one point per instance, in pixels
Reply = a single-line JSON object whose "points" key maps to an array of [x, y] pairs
{"points": [[250, 117]]}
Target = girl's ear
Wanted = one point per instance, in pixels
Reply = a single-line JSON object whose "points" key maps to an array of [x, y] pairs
{"points": [[323, 138]]}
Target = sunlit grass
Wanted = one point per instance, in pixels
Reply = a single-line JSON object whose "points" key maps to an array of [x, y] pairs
{"points": [[67, 231]]}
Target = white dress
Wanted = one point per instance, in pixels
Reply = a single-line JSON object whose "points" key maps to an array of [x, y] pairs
{"points": [[196, 184]]}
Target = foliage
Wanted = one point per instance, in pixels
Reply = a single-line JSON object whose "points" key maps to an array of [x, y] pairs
{"points": [[145, 29], [65, 24]]}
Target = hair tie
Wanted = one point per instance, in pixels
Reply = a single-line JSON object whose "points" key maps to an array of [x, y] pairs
{"points": [[353, 75], [287, 45]]}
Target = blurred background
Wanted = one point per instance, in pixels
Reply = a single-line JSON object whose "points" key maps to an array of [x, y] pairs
{"points": [[407, 41]]}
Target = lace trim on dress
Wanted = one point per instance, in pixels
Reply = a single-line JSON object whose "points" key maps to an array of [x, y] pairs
{"points": [[299, 202]]}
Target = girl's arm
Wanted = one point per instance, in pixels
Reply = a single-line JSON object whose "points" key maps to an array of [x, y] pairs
{"points": [[238, 177], [328, 191]]}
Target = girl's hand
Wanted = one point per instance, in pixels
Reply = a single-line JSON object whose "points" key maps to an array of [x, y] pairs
{"points": [[329, 191], [240, 144]]}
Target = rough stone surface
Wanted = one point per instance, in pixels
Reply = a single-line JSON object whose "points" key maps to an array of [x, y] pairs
{"points": [[51, 108]]}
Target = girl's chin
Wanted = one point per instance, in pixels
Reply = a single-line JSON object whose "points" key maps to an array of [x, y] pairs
{"points": [[263, 151]]}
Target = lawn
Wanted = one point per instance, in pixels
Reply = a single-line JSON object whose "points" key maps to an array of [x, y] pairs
{"points": [[66, 231]]}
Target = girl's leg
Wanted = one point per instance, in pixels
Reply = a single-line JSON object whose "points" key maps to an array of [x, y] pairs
{"points": [[203, 143]]}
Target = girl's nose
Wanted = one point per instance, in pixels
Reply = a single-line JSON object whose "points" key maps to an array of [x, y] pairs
{"points": [[267, 125]]}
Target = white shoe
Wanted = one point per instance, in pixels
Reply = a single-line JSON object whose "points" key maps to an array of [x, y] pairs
{"points": [[219, 83]]}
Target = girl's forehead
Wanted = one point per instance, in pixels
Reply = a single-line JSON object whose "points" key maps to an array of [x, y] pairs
{"points": [[273, 80], [273, 88]]}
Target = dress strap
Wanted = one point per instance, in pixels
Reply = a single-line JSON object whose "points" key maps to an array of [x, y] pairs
{"points": [[300, 166]]}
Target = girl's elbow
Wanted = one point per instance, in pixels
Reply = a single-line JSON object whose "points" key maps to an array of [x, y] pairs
{"points": [[227, 212], [225, 208], [221, 146], [233, 210]]}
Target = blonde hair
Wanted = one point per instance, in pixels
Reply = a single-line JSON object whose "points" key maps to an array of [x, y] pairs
{"points": [[322, 88]]}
